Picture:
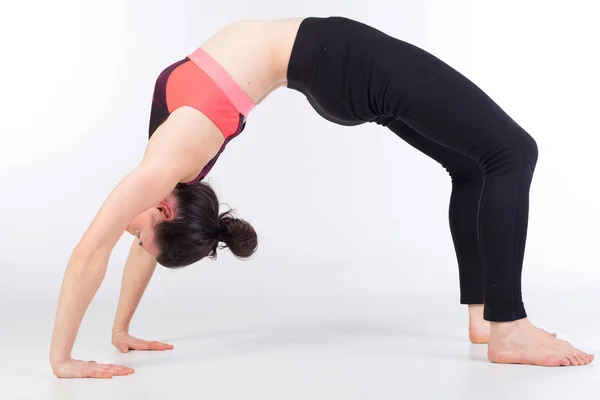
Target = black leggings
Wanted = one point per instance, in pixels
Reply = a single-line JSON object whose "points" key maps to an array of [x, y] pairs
{"points": [[352, 73]]}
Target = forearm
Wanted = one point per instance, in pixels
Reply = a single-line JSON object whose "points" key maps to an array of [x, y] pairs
{"points": [[139, 269], [81, 281]]}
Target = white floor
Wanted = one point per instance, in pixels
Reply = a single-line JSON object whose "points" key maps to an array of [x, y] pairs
{"points": [[324, 343]]}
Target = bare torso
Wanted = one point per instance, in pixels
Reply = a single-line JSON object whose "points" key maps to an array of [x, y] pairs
{"points": [[255, 53]]}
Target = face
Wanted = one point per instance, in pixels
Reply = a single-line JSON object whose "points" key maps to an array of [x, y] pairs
{"points": [[142, 226]]}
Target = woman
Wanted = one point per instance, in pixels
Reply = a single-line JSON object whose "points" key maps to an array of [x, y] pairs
{"points": [[351, 74]]}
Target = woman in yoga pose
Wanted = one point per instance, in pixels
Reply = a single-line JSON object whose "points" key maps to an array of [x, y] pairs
{"points": [[351, 74]]}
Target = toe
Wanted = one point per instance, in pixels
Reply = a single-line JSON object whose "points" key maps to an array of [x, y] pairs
{"points": [[572, 359], [590, 358], [556, 361], [580, 357]]}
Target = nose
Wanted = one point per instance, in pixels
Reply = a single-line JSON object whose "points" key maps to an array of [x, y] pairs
{"points": [[128, 229]]}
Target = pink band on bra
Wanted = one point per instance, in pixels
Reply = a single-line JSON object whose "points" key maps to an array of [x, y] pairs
{"points": [[221, 77]]}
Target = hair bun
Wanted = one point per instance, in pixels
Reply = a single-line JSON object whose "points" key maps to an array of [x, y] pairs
{"points": [[238, 235], [221, 235]]}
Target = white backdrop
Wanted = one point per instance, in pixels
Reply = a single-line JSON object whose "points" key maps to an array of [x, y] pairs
{"points": [[357, 202]]}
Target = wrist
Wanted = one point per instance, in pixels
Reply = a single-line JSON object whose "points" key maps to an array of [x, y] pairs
{"points": [[57, 362], [118, 330]]}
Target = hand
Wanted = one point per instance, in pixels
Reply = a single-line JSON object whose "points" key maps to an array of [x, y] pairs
{"points": [[125, 342], [89, 369]]}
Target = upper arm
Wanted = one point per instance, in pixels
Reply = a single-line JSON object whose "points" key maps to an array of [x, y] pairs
{"points": [[139, 256], [180, 147], [140, 190]]}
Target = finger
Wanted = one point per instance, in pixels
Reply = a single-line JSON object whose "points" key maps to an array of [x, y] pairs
{"points": [[143, 345], [119, 371], [150, 342], [122, 373], [105, 371], [123, 348], [99, 374], [140, 345], [163, 343], [160, 346], [120, 367]]}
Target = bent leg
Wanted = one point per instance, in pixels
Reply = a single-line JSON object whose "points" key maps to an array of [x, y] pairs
{"points": [[360, 74], [507, 159], [467, 184]]}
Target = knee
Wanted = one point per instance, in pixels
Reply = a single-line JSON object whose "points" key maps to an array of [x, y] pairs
{"points": [[529, 152], [465, 173], [520, 154]]}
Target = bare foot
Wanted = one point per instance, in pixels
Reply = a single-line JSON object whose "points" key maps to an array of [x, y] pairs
{"points": [[520, 342], [479, 329]]}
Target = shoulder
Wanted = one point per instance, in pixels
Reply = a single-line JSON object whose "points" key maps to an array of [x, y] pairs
{"points": [[185, 142]]}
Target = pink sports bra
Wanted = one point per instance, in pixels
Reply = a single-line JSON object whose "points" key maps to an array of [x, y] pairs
{"points": [[199, 81]]}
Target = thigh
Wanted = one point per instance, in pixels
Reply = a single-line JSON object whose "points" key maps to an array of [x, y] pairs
{"points": [[452, 160]]}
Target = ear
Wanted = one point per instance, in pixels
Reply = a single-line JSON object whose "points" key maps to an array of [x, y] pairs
{"points": [[166, 210]]}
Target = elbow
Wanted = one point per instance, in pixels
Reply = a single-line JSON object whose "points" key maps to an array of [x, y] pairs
{"points": [[86, 255]]}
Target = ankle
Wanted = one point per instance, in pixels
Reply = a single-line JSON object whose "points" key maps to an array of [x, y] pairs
{"points": [[476, 312], [507, 327]]}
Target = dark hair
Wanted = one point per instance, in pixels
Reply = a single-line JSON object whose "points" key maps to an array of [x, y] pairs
{"points": [[198, 228]]}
